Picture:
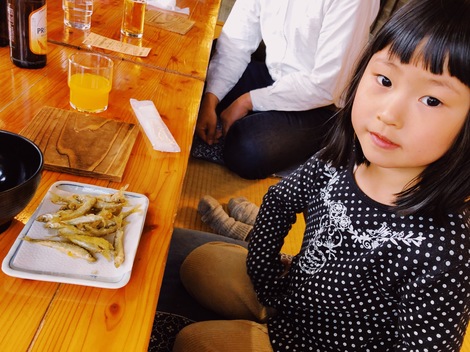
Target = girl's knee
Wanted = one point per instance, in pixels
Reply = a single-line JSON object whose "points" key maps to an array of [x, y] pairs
{"points": [[188, 339], [223, 335], [215, 275], [210, 259], [204, 271]]}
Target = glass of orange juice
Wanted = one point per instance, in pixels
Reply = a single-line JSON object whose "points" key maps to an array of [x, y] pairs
{"points": [[90, 80]]}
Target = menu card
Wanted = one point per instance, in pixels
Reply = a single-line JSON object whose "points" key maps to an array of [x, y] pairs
{"points": [[99, 41], [169, 21]]}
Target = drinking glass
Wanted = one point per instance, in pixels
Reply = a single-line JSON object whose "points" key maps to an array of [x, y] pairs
{"points": [[77, 13], [90, 80], [133, 17]]}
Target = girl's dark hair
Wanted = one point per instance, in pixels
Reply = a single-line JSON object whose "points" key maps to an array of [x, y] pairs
{"points": [[443, 27]]}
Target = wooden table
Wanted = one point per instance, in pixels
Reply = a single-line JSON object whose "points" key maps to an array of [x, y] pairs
{"points": [[172, 52], [47, 316]]}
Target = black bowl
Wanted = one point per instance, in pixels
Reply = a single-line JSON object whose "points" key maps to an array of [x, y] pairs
{"points": [[21, 163]]}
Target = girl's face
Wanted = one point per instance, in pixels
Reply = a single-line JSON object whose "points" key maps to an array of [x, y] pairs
{"points": [[405, 116]]}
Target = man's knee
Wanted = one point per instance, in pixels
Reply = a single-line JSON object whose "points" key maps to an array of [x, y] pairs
{"points": [[244, 155]]}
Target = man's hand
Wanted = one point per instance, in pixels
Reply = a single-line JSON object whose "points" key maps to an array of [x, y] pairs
{"points": [[238, 109], [206, 126]]}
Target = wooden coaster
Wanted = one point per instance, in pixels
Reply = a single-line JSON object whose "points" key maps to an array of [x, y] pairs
{"points": [[80, 144]]}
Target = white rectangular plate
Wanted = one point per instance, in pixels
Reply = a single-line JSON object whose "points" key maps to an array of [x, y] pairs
{"points": [[33, 261]]}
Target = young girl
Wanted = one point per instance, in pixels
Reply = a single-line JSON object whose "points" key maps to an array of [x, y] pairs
{"points": [[384, 264]]}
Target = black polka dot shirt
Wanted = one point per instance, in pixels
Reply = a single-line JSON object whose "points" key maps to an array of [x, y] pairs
{"points": [[365, 279]]}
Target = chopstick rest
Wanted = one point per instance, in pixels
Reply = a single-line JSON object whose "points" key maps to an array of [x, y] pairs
{"points": [[157, 132]]}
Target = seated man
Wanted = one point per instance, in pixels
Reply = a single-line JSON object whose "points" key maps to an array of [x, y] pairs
{"points": [[262, 117]]}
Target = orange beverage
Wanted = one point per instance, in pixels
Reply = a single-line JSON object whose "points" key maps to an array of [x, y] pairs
{"points": [[133, 18], [90, 81], [89, 92]]}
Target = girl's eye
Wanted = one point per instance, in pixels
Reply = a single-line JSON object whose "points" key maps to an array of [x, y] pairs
{"points": [[430, 101], [384, 81]]}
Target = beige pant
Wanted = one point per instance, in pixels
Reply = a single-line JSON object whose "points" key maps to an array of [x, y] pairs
{"points": [[215, 274]]}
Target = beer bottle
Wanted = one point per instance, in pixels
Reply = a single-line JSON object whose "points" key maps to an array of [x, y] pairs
{"points": [[3, 23], [28, 32]]}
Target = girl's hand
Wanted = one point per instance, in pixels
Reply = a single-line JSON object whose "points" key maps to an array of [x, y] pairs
{"points": [[286, 260], [206, 126], [238, 109]]}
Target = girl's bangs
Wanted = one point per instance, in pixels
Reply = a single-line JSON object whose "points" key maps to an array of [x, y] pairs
{"points": [[440, 44]]}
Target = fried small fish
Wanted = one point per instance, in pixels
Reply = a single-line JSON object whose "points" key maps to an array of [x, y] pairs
{"points": [[119, 248], [68, 214], [70, 249], [90, 243]]}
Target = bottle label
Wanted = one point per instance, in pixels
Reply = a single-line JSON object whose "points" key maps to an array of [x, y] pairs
{"points": [[11, 19], [38, 31]]}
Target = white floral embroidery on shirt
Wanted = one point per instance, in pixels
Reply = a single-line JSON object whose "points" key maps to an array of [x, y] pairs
{"points": [[329, 234], [374, 238]]}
